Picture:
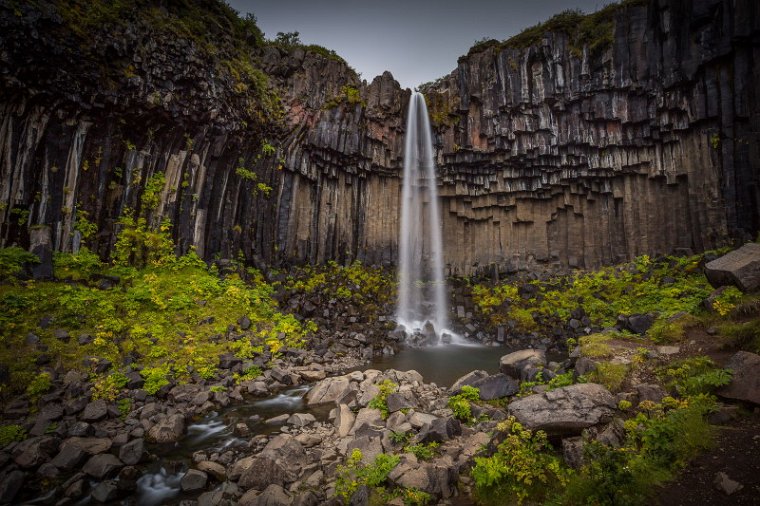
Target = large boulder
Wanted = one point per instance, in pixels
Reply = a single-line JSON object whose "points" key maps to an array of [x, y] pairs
{"points": [[168, 429], [745, 382], [102, 465], [566, 410], [516, 364], [496, 386], [740, 268], [329, 390], [280, 462]]}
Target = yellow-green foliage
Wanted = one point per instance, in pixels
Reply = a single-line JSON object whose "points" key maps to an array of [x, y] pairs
{"points": [[109, 386], [348, 95], [670, 330], [595, 346], [460, 403], [354, 474], [635, 288], [39, 385], [523, 466], [12, 261], [695, 375], [609, 374], [660, 441], [157, 311], [370, 287], [386, 387], [728, 299], [11, 433]]}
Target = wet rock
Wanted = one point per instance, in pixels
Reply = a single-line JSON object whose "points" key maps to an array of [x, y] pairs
{"points": [[106, 491], [301, 419], [100, 466], [213, 468], [566, 410], [740, 268], [277, 420], [193, 480], [132, 452], [515, 364], [745, 379], [169, 429]]}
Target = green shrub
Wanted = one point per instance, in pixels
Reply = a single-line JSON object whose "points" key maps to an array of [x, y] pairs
{"points": [[77, 266], [108, 387], [249, 374], [608, 374], [595, 346], [423, 451], [354, 474], [40, 384], [12, 261], [744, 335], [523, 466], [460, 403], [11, 433], [386, 388], [155, 378], [695, 375]]}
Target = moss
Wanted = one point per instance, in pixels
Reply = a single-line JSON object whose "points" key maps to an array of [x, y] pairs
{"points": [[609, 374], [349, 95]]}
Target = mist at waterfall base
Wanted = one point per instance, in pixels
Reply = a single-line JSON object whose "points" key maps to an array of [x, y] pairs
{"points": [[422, 303]]}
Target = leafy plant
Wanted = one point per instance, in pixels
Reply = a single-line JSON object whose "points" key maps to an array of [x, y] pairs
{"points": [[155, 378], [386, 388], [40, 384], [12, 261], [11, 433], [609, 374], [460, 403], [354, 474], [108, 387], [695, 375], [423, 451], [522, 466]]}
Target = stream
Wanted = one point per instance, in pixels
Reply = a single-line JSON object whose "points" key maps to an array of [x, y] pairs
{"points": [[214, 433]]}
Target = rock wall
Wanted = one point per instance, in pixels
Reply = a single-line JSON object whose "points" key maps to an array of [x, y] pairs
{"points": [[548, 157]]}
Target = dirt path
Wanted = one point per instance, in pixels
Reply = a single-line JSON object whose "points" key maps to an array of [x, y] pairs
{"points": [[736, 453]]}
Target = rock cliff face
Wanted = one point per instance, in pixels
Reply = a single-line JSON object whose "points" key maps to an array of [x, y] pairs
{"points": [[549, 155]]}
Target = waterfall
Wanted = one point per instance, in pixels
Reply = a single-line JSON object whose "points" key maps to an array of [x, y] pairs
{"points": [[422, 286]]}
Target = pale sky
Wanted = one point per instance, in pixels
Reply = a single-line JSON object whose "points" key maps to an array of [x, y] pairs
{"points": [[417, 40]]}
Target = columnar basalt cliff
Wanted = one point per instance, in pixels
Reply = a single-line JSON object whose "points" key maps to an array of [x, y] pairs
{"points": [[555, 153]]}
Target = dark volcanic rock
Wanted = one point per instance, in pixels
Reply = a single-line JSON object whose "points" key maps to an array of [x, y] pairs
{"points": [[745, 381], [740, 268]]}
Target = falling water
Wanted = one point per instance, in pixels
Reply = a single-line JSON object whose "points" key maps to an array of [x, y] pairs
{"points": [[422, 287]]}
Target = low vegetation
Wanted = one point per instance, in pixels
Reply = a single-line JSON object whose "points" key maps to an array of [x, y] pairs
{"points": [[170, 317]]}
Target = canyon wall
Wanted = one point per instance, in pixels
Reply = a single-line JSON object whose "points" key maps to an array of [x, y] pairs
{"points": [[550, 155]]}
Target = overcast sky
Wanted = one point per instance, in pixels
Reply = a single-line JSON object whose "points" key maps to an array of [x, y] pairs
{"points": [[417, 40]]}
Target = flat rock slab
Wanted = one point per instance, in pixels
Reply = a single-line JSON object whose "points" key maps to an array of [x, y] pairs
{"points": [[740, 268], [566, 410], [515, 363], [745, 382]]}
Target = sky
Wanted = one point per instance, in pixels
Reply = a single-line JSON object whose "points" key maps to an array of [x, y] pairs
{"points": [[416, 40]]}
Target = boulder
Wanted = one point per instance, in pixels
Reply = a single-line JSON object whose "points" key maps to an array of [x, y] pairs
{"points": [[132, 452], [566, 410], [370, 446], [740, 268], [35, 451], [239, 467], [639, 323], [193, 480], [100, 466], [344, 420], [95, 410], [301, 419], [213, 468], [467, 380], [329, 390], [745, 382], [572, 451], [515, 364], [169, 429], [69, 457], [10, 485], [90, 445], [106, 491], [496, 386], [280, 462], [400, 400], [367, 417], [439, 430], [273, 495]]}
